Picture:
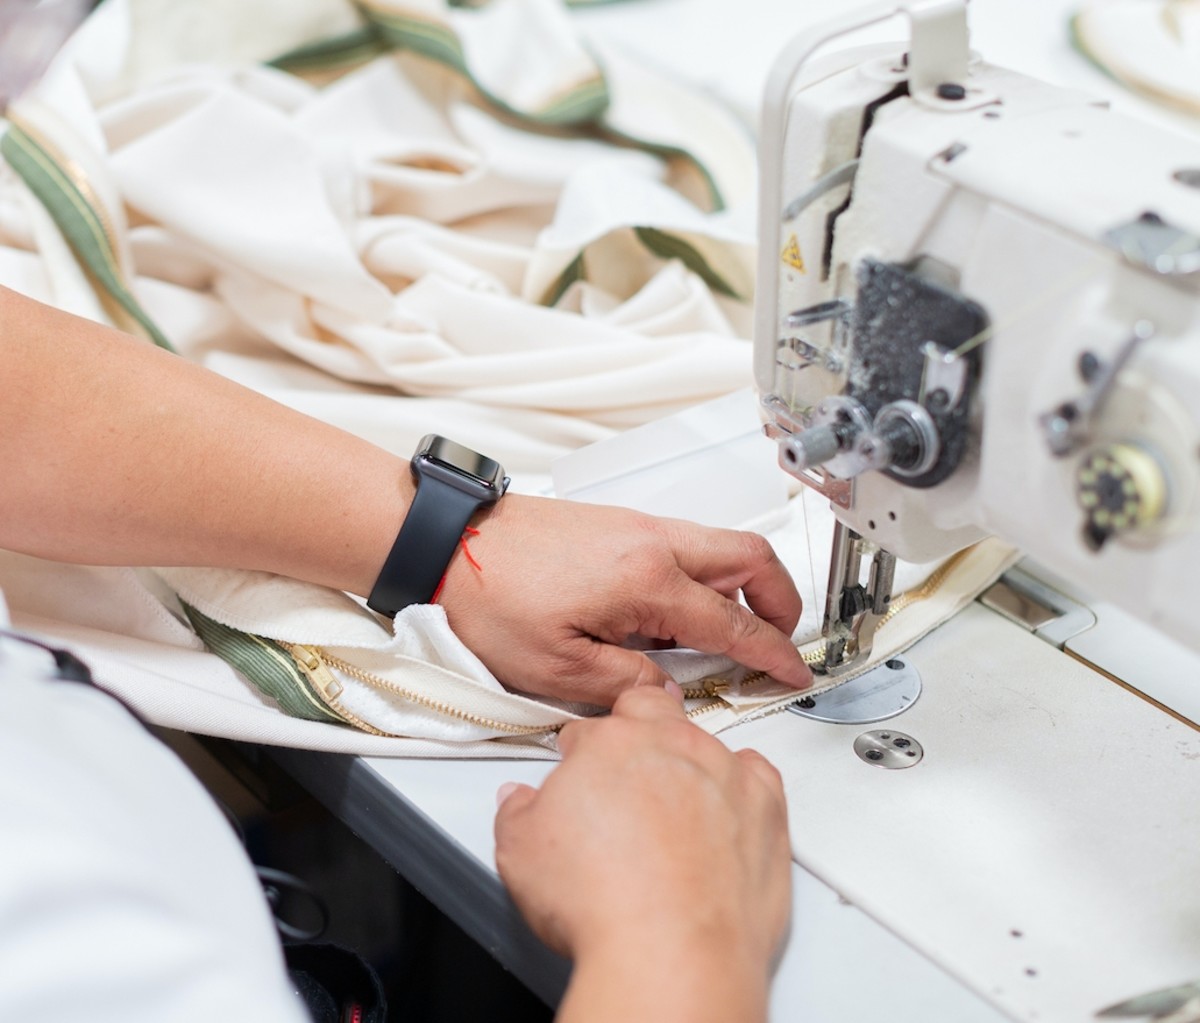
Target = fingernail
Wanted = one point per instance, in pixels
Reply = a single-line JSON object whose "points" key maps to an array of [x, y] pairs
{"points": [[674, 689], [806, 679], [801, 679], [504, 791]]}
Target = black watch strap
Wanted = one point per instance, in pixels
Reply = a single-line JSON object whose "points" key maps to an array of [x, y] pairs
{"points": [[427, 540]]}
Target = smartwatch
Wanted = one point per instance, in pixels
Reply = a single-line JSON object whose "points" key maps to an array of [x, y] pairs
{"points": [[453, 482]]}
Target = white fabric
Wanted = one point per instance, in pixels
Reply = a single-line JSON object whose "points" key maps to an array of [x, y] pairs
{"points": [[421, 659], [124, 895], [389, 232], [373, 253], [542, 53], [1151, 47]]}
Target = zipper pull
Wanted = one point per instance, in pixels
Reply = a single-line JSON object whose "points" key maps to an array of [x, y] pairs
{"points": [[705, 689], [308, 660]]}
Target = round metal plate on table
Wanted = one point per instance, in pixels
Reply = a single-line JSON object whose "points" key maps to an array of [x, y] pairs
{"points": [[876, 695], [884, 748]]}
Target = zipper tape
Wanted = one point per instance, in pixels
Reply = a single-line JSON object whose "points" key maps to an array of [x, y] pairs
{"points": [[327, 672], [312, 681], [267, 665], [912, 615], [78, 213]]}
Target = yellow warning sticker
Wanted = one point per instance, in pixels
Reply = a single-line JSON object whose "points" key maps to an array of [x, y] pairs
{"points": [[791, 254]]}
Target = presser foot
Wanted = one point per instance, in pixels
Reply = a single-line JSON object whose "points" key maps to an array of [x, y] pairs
{"points": [[883, 692]]}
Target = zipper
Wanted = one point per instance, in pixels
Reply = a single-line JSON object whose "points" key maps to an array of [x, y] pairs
{"points": [[71, 170], [309, 662], [707, 689], [927, 589], [319, 666], [712, 686]]}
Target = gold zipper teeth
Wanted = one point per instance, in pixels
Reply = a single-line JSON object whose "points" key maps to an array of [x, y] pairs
{"points": [[705, 688], [357, 722], [928, 587], [437, 706], [321, 703], [714, 703], [53, 159], [712, 685]]}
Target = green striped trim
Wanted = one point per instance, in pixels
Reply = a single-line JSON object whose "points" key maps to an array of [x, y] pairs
{"points": [[266, 665], [329, 54], [1075, 36], [429, 39], [77, 219], [716, 201], [581, 109], [670, 246], [580, 106], [576, 270], [662, 245]]}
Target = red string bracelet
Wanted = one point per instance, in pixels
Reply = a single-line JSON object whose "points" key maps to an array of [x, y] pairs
{"points": [[466, 549]]}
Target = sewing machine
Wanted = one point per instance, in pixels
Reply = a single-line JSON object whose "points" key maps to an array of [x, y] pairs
{"points": [[975, 300], [978, 312], [1039, 862]]}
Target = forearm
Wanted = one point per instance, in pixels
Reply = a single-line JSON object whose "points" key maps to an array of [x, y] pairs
{"points": [[117, 453], [114, 452], [665, 982]]}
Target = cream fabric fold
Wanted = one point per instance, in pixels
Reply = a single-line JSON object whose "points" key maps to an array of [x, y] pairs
{"points": [[394, 253], [388, 252], [420, 656], [542, 58], [925, 595], [372, 252], [1151, 47]]}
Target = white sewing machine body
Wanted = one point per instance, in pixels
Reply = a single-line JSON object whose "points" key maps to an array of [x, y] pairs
{"points": [[928, 224], [1028, 232]]}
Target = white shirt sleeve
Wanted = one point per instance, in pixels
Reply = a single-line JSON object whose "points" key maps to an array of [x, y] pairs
{"points": [[124, 893]]}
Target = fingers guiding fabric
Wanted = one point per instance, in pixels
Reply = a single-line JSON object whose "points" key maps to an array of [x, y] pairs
{"points": [[644, 702], [623, 669], [772, 595], [730, 561], [649, 703], [721, 626]]}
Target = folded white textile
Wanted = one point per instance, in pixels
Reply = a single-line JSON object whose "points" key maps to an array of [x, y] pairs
{"points": [[318, 661], [1151, 47], [440, 218]]}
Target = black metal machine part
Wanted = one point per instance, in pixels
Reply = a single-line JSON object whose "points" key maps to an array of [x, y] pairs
{"points": [[896, 313]]}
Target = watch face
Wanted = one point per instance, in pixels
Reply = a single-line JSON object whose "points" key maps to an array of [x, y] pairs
{"points": [[462, 460]]}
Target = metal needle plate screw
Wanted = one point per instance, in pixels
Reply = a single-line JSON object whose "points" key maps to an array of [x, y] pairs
{"points": [[890, 749]]}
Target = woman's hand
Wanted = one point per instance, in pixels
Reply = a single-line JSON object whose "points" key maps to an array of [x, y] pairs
{"points": [[658, 860], [561, 587]]}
